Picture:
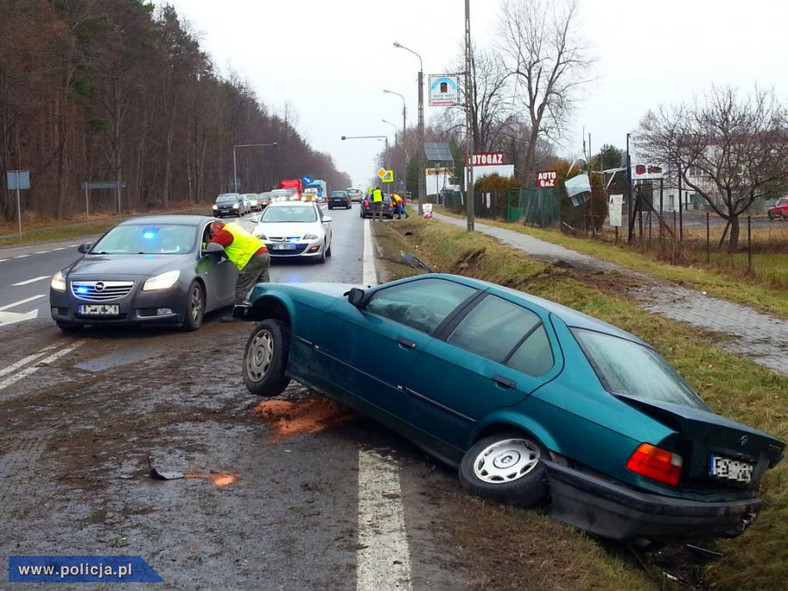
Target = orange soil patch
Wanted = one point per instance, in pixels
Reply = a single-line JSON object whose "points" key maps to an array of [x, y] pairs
{"points": [[305, 416], [217, 479]]}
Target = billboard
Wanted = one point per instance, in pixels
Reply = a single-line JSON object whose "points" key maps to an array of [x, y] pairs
{"points": [[443, 90]]}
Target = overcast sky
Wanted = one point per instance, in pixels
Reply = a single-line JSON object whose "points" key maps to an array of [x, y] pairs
{"points": [[330, 61]]}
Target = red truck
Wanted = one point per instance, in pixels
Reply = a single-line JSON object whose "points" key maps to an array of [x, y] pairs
{"points": [[296, 185]]}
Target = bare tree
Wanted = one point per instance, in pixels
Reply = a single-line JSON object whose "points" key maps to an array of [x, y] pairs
{"points": [[543, 49], [729, 150]]}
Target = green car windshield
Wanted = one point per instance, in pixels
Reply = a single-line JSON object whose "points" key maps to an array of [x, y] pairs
{"points": [[628, 368]]}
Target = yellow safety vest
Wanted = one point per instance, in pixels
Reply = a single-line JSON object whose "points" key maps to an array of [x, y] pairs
{"points": [[243, 246], [377, 195]]}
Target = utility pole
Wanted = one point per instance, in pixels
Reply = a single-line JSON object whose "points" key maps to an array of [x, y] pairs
{"points": [[469, 192]]}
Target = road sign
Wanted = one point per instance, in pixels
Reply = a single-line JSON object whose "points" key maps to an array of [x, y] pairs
{"points": [[387, 176], [18, 179], [382, 172]]}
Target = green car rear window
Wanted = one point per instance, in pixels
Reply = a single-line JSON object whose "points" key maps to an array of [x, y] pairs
{"points": [[629, 368]]}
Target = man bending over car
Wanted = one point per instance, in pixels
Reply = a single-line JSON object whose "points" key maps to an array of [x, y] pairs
{"points": [[247, 252]]}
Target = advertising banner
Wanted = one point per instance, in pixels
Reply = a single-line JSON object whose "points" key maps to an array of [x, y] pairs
{"points": [[443, 90]]}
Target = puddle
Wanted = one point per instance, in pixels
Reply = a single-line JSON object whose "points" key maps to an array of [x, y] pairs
{"points": [[118, 358], [304, 416]]}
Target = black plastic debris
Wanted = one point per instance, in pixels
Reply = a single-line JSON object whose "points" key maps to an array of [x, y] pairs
{"points": [[162, 475], [415, 262]]}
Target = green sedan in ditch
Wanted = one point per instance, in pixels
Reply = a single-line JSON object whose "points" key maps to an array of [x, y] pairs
{"points": [[530, 400]]}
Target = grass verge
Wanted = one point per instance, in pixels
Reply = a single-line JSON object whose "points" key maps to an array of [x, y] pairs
{"points": [[732, 386], [725, 281]]}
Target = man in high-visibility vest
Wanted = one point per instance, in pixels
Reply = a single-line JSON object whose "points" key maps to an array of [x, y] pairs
{"points": [[399, 206], [377, 204], [247, 252]]}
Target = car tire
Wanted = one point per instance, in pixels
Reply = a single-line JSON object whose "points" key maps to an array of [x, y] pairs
{"points": [[69, 326], [195, 307], [328, 250], [322, 258], [265, 358], [506, 468]]}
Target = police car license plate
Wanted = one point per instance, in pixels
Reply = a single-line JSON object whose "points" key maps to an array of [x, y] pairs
{"points": [[730, 469], [99, 309]]}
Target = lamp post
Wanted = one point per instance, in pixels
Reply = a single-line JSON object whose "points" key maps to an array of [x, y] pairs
{"points": [[422, 181], [373, 137], [403, 111], [395, 145], [235, 160]]}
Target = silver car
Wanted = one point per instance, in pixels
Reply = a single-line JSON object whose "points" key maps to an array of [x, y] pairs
{"points": [[295, 229]]}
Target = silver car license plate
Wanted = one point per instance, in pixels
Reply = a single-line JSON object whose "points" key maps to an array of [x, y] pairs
{"points": [[284, 246], [730, 469], [99, 309]]}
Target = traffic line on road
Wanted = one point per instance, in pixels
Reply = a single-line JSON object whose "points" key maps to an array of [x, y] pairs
{"points": [[29, 359], [369, 274], [29, 281], [34, 368], [383, 559], [20, 302]]}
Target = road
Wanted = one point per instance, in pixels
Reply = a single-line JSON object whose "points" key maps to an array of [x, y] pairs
{"points": [[295, 493]]}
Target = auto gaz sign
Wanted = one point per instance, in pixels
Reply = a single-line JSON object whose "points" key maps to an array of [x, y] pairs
{"points": [[547, 178]]}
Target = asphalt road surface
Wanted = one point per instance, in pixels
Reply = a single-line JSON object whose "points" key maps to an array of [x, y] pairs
{"points": [[293, 493]]}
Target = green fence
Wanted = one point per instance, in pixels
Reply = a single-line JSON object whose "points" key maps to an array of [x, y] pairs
{"points": [[534, 207]]}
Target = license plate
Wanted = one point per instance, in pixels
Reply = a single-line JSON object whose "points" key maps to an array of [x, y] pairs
{"points": [[730, 469], [99, 309], [285, 246]]}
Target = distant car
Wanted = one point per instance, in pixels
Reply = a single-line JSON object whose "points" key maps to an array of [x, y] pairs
{"points": [[532, 401], [295, 229], [228, 204], [263, 199], [148, 271], [780, 209], [367, 211], [355, 195], [252, 201], [339, 199]]}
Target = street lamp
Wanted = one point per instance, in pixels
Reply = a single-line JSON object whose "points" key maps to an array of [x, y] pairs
{"points": [[395, 140], [235, 160], [373, 137], [422, 182], [403, 111]]}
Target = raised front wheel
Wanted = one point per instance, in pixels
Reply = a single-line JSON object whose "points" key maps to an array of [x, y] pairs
{"points": [[265, 358]]}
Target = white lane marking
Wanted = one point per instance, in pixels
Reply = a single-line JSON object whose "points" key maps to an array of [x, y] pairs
{"points": [[21, 302], [8, 318], [383, 560], [3, 260], [61, 248], [26, 372], [22, 256], [369, 274], [42, 252], [26, 360], [29, 281]]}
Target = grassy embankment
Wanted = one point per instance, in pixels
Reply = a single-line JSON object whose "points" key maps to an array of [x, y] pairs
{"points": [[731, 385]]}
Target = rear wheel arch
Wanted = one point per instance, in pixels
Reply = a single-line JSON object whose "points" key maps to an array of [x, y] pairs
{"points": [[527, 428]]}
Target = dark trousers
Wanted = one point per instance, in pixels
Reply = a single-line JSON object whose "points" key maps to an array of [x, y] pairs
{"points": [[377, 210], [255, 271]]}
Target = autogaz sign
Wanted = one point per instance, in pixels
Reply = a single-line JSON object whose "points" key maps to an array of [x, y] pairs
{"points": [[547, 178]]}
